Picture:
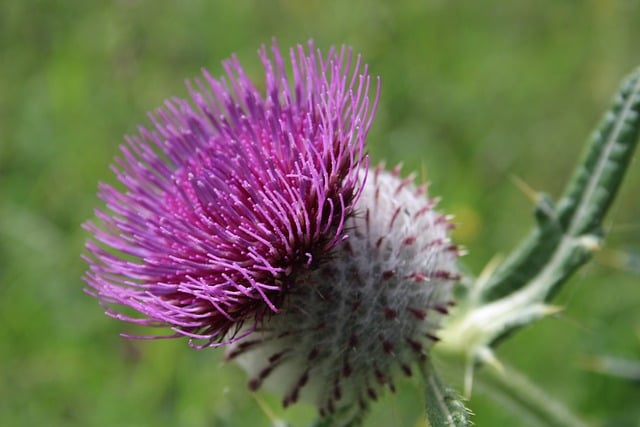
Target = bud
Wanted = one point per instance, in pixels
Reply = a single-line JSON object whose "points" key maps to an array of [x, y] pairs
{"points": [[366, 310]]}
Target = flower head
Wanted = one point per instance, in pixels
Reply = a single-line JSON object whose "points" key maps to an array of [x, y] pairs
{"points": [[251, 220], [228, 197]]}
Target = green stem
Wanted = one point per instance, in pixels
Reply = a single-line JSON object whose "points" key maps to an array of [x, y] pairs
{"points": [[443, 405], [525, 398]]}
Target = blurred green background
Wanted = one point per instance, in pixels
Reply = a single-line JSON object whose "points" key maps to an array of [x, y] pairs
{"points": [[472, 93]]}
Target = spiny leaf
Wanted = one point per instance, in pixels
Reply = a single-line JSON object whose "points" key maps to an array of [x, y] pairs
{"points": [[584, 204]]}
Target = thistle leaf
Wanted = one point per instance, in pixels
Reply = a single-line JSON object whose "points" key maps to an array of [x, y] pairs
{"points": [[566, 234]]}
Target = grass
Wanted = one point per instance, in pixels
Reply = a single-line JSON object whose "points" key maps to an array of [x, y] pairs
{"points": [[473, 93]]}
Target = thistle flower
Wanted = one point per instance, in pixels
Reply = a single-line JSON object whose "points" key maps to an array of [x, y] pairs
{"points": [[252, 221], [226, 197]]}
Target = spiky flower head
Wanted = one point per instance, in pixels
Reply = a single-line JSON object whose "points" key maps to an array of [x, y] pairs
{"points": [[227, 196], [253, 220]]}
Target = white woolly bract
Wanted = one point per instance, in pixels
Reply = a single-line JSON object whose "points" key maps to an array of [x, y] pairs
{"points": [[366, 310]]}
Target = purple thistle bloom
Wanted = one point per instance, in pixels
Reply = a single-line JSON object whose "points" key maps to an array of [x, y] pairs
{"points": [[228, 196]]}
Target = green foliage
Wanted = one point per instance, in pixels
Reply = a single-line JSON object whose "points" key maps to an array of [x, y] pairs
{"points": [[566, 236], [472, 92]]}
